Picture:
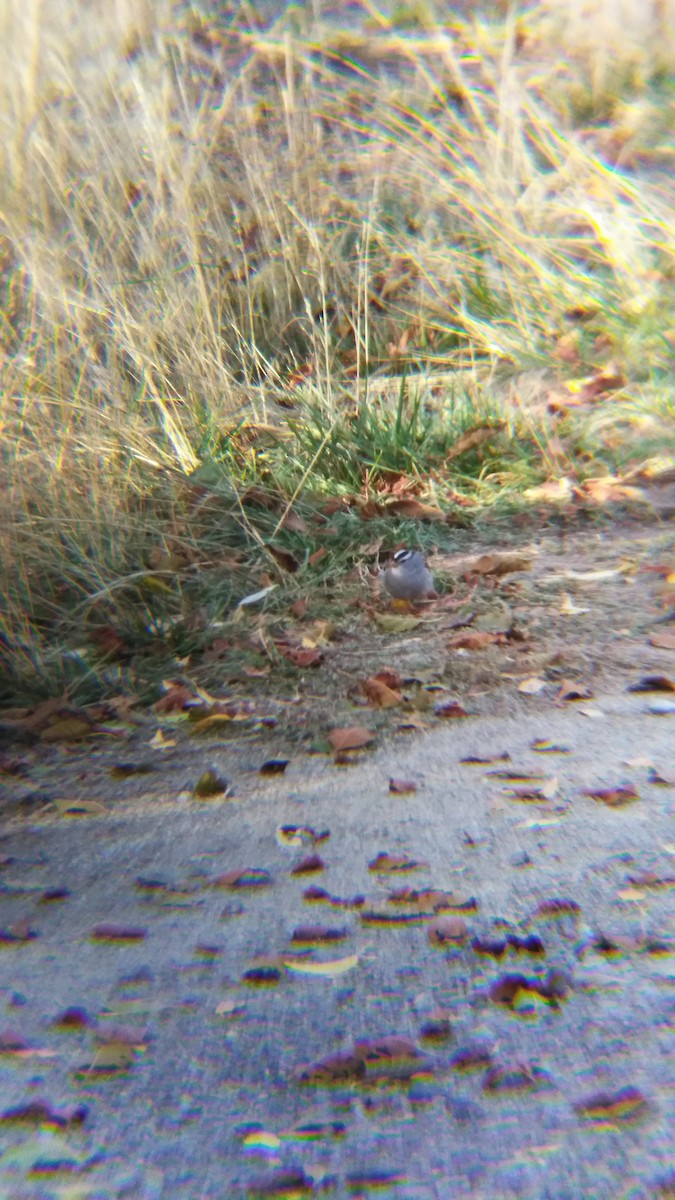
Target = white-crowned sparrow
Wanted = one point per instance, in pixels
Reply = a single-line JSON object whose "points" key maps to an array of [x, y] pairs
{"points": [[408, 577]]}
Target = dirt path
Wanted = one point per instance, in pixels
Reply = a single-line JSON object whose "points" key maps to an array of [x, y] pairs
{"points": [[469, 995]]}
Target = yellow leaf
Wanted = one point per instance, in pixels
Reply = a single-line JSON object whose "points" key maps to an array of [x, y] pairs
{"points": [[79, 808], [337, 966], [393, 623], [260, 1139]]}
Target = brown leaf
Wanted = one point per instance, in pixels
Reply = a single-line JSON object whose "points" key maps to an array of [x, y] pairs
{"points": [[251, 877], [516, 1077], [473, 639], [317, 556], [610, 490], [394, 863], [117, 933], [16, 934], [274, 766], [277, 1184], [79, 808], [210, 784], [176, 699], [264, 971], [428, 901], [438, 1026], [318, 934], [302, 656], [299, 608], [293, 521], [614, 796], [623, 1107], [67, 729], [475, 760], [449, 710], [402, 787], [499, 563], [388, 1057], [284, 559], [351, 738], [331, 1069], [447, 931], [653, 683], [569, 690], [665, 640], [411, 509], [472, 438], [379, 694], [312, 863], [317, 895], [41, 1115]]}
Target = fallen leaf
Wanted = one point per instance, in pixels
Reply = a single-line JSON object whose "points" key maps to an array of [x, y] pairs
{"points": [[332, 1068], [411, 509], [624, 1107], [274, 766], [532, 686], [300, 835], [277, 1184], [614, 797], [395, 623], [250, 877], [653, 683], [475, 760], [302, 656], [379, 694], [293, 521], [351, 738], [177, 699], [438, 1027], [299, 608], [309, 865], [473, 639], [337, 966], [517, 1077], [67, 729], [210, 784], [318, 934], [572, 691], [449, 710], [664, 641], [17, 934], [402, 787], [554, 491], [108, 932], [41, 1115], [429, 901], [569, 609], [394, 863], [609, 490], [543, 746], [160, 742], [499, 563], [472, 438], [79, 808], [660, 777], [447, 931], [284, 559]]}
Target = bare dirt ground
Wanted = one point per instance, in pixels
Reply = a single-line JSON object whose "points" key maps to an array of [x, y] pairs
{"points": [[458, 984]]}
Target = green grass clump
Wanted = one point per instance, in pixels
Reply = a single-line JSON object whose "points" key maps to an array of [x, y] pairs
{"points": [[257, 275]]}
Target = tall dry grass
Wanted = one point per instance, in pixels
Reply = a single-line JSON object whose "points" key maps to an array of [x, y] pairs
{"points": [[193, 210]]}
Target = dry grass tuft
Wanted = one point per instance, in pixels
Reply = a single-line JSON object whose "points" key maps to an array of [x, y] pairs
{"points": [[203, 220]]}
